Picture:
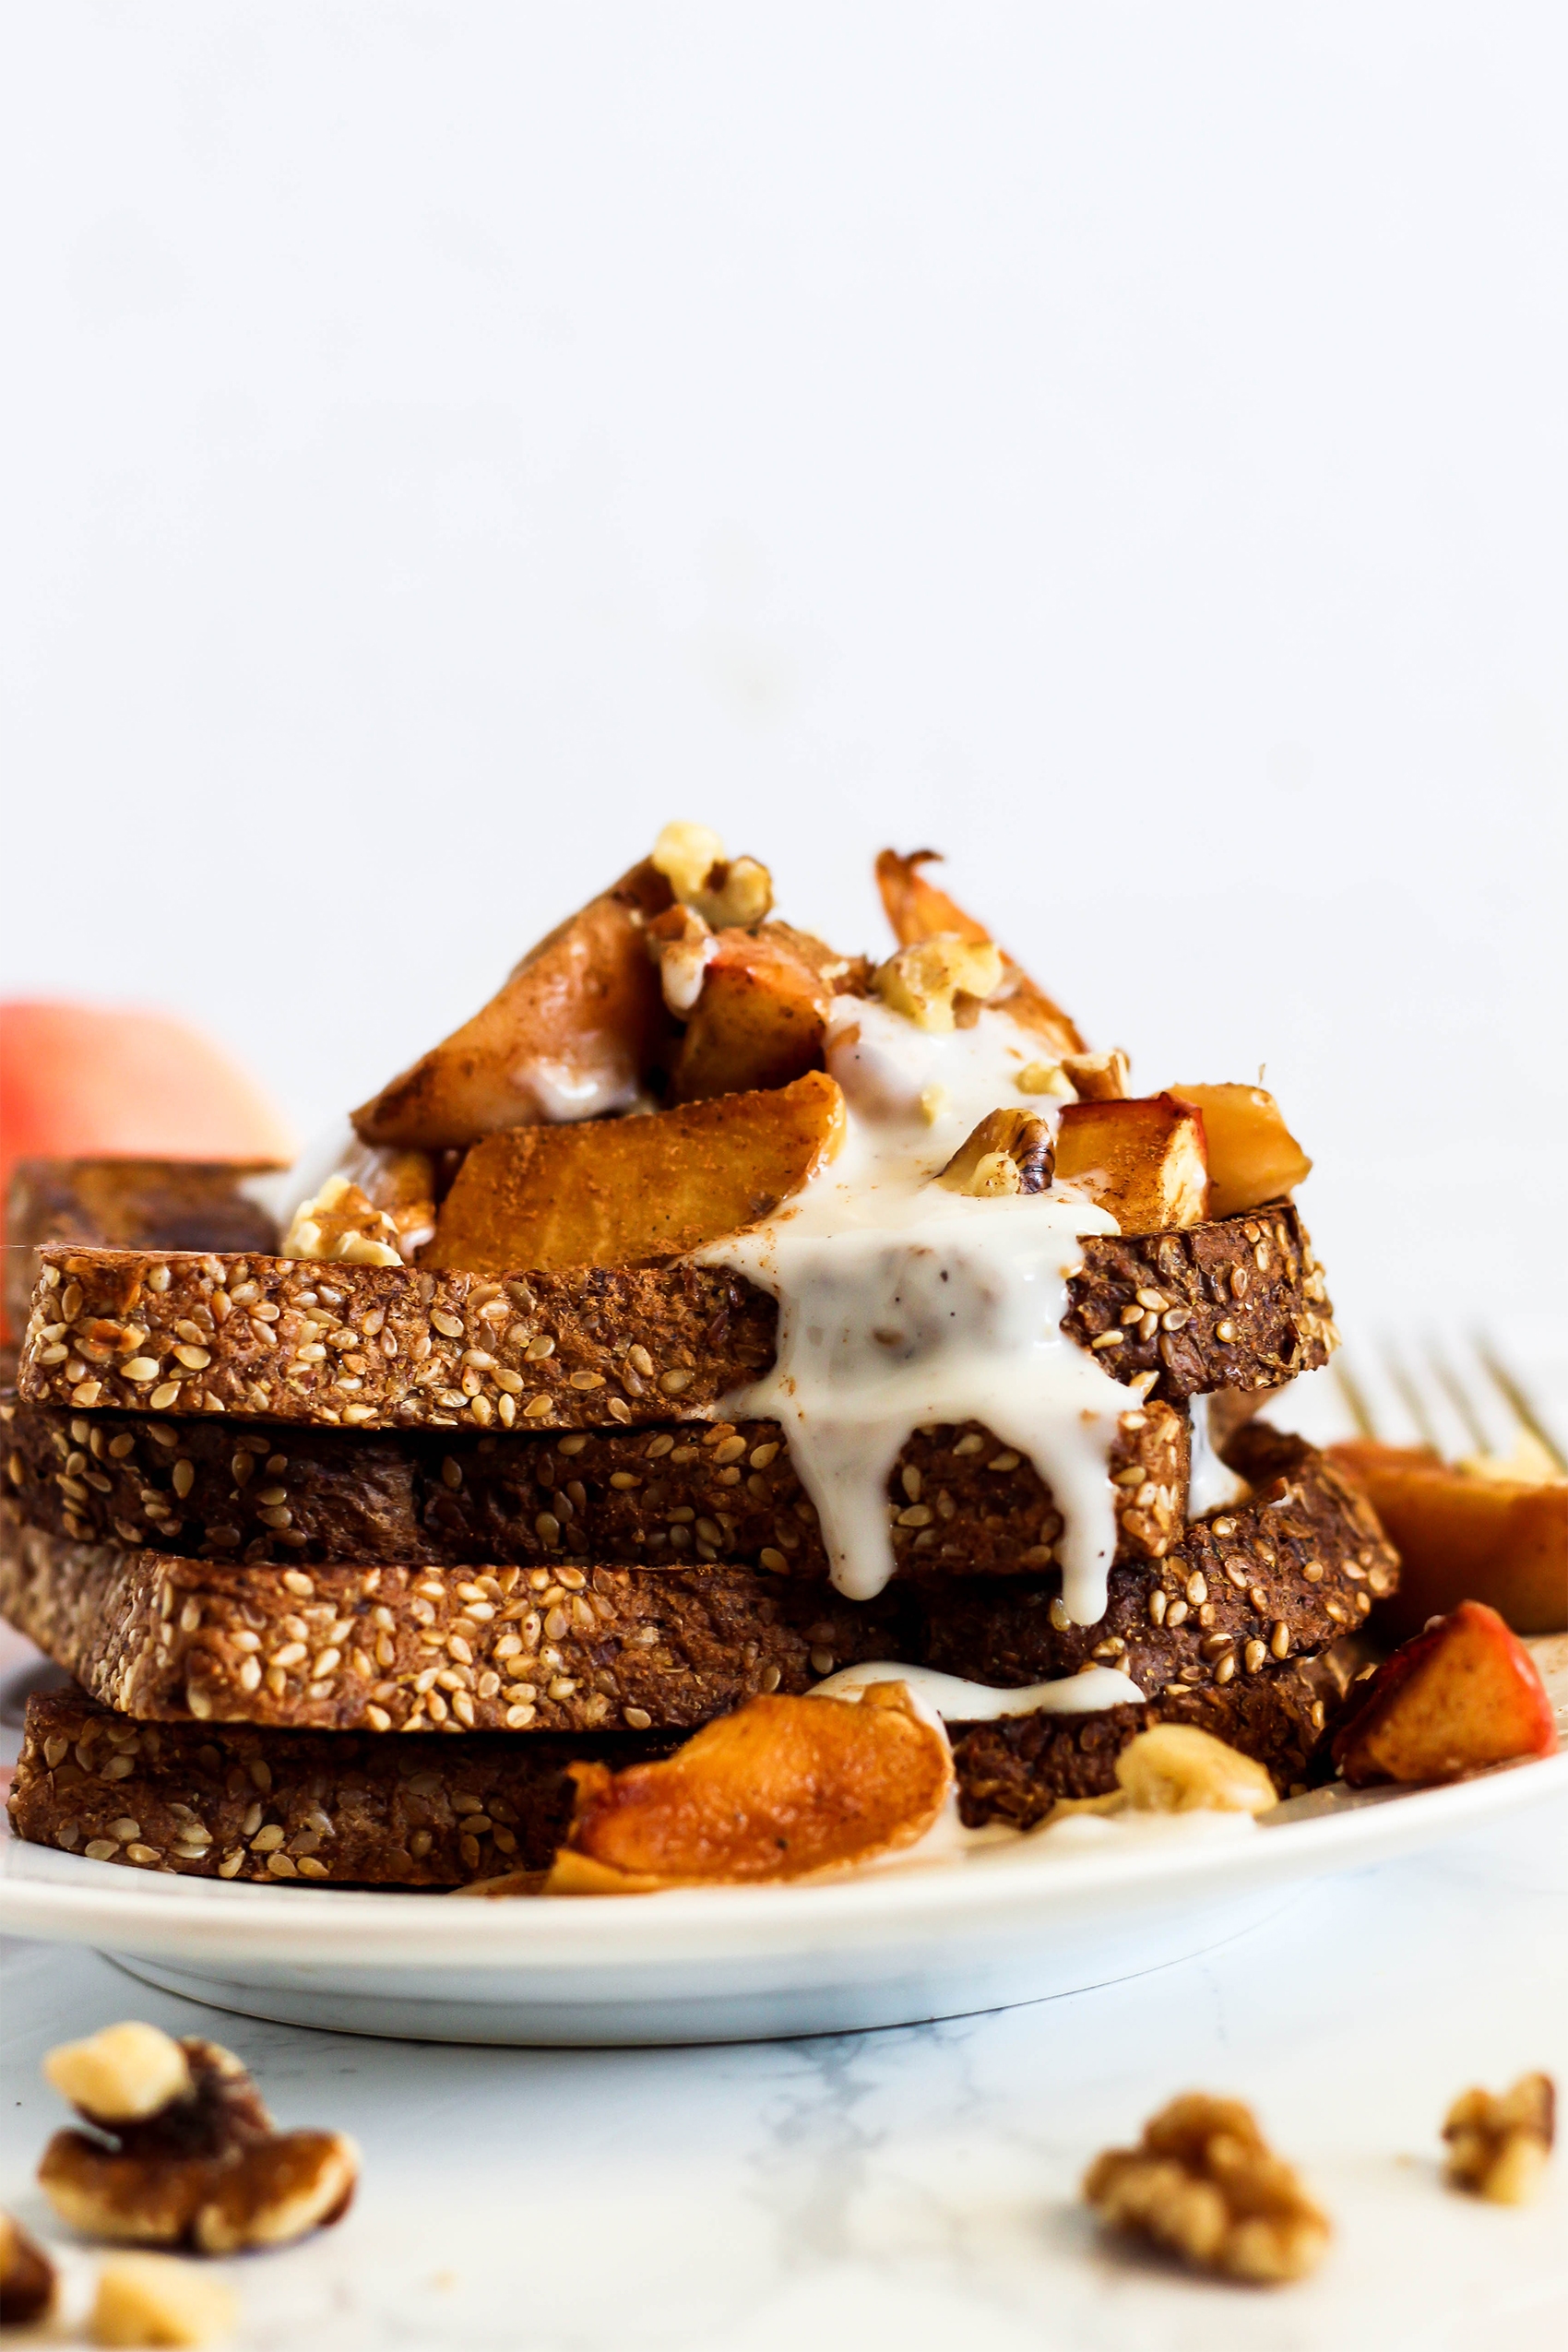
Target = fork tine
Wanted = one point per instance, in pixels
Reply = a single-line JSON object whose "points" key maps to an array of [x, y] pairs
{"points": [[1518, 1401], [1415, 1404], [1355, 1397], [1482, 1437]]}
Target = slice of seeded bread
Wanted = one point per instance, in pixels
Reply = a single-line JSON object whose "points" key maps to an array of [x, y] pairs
{"points": [[412, 1648], [1238, 1304], [960, 1502], [228, 1800]]}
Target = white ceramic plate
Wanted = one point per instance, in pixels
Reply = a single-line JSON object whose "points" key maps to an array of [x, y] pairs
{"points": [[1015, 1921]]}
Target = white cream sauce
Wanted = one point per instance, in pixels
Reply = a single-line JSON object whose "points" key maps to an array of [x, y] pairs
{"points": [[903, 1305], [1211, 1486], [947, 1698]]}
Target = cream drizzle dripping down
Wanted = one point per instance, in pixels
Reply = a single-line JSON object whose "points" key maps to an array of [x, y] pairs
{"points": [[903, 1305]]}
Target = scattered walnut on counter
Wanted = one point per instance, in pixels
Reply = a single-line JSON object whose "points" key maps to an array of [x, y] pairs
{"points": [[27, 2277], [147, 2298], [183, 2151], [1203, 2184], [1499, 2145]]}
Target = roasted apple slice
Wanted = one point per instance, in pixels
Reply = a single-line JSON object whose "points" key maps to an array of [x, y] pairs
{"points": [[1252, 1156], [1465, 1534], [575, 1030], [759, 1017], [919, 910], [783, 1789], [1142, 1158], [1464, 1694], [620, 1191]]}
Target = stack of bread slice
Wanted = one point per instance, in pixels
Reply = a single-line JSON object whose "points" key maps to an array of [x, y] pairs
{"points": [[350, 1561]]}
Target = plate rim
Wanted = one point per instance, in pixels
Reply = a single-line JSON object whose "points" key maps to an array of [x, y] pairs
{"points": [[311, 1927]]}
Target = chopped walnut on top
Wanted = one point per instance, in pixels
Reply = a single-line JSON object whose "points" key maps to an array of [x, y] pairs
{"points": [[724, 891], [941, 982], [1010, 1151], [182, 2151], [1499, 2145], [1203, 2184], [343, 1223]]}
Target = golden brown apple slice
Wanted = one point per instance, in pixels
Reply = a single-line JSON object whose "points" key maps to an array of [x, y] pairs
{"points": [[918, 910], [762, 1011], [577, 1028], [783, 1789], [620, 1191], [1252, 1156], [1464, 1536], [1464, 1694], [1142, 1158]]}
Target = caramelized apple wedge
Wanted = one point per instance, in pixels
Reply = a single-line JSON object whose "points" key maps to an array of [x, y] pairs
{"points": [[577, 1028], [1465, 1534], [783, 1789], [1142, 1158], [762, 1011], [1460, 1696], [917, 910], [1252, 1156], [621, 1192]]}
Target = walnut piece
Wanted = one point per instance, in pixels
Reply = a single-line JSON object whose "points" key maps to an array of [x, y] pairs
{"points": [[342, 1223], [936, 982], [1499, 2145], [122, 2075], [202, 2166], [1203, 2184], [147, 2298], [1176, 1768], [726, 892], [1010, 1151], [1097, 1077], [27, 2277]]}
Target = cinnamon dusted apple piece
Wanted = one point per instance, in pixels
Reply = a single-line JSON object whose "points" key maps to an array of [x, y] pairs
{"points": [[1464, 1694], [783, 1789], [614, 1193], [1142, 1158], [578, 1027], [917, 910], [761, 1012], [1496, 1532], [1252, 1156]]}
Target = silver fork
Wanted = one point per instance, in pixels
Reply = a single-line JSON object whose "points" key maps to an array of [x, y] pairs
{"points": [[1457, 1395]]}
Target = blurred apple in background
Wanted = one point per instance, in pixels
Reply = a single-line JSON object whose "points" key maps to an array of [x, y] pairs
{"points": [[82, 1080]]}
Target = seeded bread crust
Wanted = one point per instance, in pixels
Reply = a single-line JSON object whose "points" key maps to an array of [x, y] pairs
{"points": [[127, 1203], [1014, 1770], [1238, 1304], [397, 1648], [288, 1339], [330, 1809], [961, 1503]]}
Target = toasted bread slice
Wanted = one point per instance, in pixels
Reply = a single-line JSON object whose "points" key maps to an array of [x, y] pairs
{"points": [[202, 1488], [1242, 1307], [365, 1809], [1140, 1156], [624, 1192], [404, 1646], [575, 1031], [128, 1204]]}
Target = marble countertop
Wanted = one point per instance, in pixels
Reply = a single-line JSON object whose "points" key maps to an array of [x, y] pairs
{"points": [[915, 2187]]}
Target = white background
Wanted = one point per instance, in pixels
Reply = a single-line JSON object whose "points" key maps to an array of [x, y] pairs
{"points": [[1123, 446]]}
